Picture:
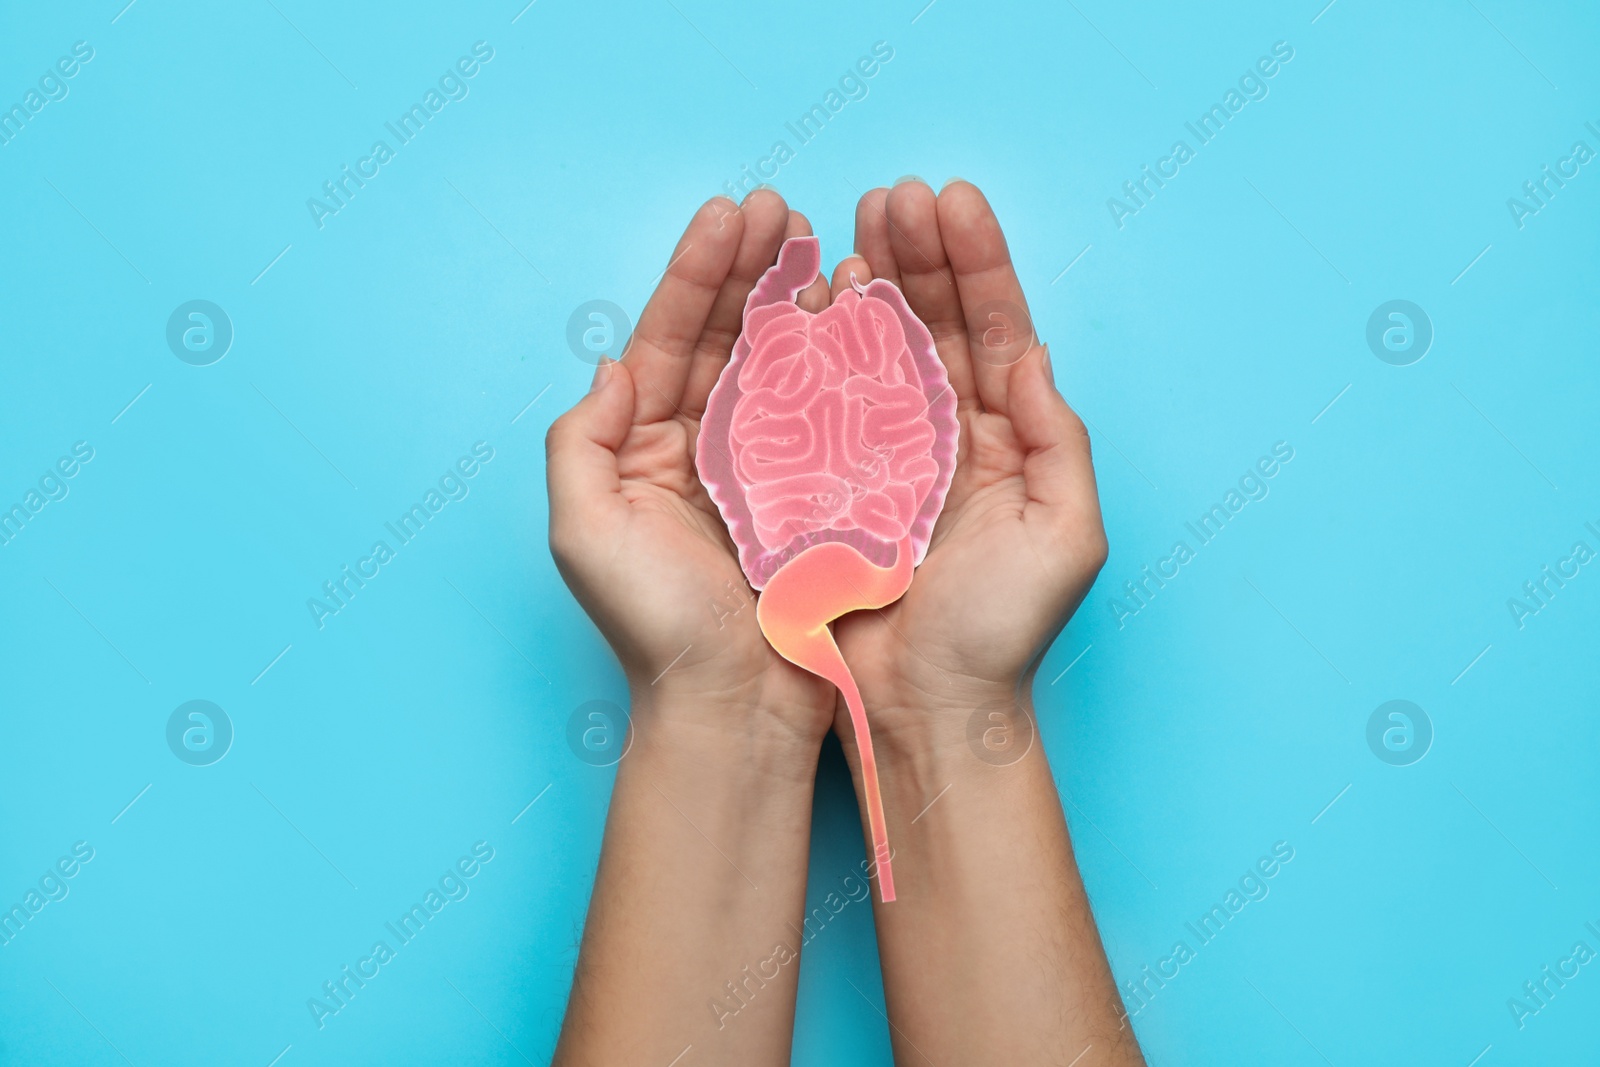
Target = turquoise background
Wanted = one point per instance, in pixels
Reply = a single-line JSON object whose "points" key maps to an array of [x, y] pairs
{"points": [[431, 311]]}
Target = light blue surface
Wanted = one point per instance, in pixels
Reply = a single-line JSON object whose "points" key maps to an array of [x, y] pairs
{"points": [[1225, 316]]}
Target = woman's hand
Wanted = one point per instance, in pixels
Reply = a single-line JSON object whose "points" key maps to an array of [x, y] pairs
{"points": [[633, 531], [1020, 539], [990, 952], [702, 873]]}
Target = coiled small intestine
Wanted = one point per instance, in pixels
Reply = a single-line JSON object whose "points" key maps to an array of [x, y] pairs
{"points": [[831, 432]]}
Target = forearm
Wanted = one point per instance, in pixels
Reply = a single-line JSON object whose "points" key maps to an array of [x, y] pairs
{"points": [[702, 871], [990, 953]]}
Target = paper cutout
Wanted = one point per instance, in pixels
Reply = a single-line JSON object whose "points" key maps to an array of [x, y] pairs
{"points": [[828, 445]]}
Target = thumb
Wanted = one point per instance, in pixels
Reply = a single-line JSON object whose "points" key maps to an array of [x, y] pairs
{"points": [[581, 456], [1056, 465]]}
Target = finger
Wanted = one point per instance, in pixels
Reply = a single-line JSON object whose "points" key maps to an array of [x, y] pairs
{"points": [[1056, 467], [766, 219], [850, 267], [925, 279], [814, 297], [581, 460], [872, 235], [662, 348], [999, 328]]}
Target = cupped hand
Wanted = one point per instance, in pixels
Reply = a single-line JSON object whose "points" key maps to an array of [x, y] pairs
{"points": [[632, 529], [1020, 539]]}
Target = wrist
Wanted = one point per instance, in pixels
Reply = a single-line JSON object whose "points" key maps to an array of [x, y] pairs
{"points": [[962, 726], [732, 738]]}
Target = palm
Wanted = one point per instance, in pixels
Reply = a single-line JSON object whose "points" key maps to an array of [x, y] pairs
{"points": [[975, 580], [688, 604]]}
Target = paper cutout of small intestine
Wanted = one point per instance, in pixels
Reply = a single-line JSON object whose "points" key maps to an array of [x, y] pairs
{"points": [[828, 445]]}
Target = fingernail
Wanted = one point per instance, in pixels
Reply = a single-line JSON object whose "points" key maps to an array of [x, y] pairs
{"points": [[908, 178], [1048, 369], [757, 189], [948, 182], [602, 374]]}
